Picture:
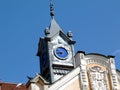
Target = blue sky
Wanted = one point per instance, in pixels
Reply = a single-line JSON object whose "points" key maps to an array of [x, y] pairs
{"points": [[95, 25]]}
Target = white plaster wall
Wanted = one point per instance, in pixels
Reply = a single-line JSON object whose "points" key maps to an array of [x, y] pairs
{"points": [[73, 84], [35, 86]]}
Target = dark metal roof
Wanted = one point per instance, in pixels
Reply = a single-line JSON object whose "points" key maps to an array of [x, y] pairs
{"points": [[97, 54], [109, 56], [54, 28]]}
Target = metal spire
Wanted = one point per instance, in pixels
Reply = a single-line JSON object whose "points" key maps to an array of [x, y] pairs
{"points": [[51, 9]]}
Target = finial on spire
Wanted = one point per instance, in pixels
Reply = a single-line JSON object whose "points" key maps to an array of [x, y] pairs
{"points": [[51, 9]]}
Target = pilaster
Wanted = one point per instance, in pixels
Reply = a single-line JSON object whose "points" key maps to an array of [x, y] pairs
{"points": [[113, 74]]}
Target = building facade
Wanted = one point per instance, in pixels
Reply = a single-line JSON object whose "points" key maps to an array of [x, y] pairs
{"points": [[92, 72], [62, 69]]}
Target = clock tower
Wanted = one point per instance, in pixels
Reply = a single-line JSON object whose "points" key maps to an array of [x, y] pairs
{"points": [[55, 51]]}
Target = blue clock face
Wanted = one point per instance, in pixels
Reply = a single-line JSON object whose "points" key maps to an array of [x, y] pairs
{"points": [[61, 53]]}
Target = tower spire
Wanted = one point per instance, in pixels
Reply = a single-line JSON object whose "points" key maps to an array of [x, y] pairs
{"points": [[51, 9]]}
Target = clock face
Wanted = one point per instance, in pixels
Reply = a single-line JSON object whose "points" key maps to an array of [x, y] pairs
{"points": [[61, 53]]}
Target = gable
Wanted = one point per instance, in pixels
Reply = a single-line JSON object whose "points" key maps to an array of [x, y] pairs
{"points": [[58, 40], [97, 71]]}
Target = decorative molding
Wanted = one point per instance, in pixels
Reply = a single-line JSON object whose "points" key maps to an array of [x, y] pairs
{"points": [[61, 71], [98, 78], [97, 61], [57, 85]]}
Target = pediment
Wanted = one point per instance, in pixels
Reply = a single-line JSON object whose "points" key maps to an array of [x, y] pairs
{"points": [[62, 35], [38, 78]]}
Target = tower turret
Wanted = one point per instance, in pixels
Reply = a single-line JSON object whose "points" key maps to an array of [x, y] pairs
{"points": [[56, 51]]}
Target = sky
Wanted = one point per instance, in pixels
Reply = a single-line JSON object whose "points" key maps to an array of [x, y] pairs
{"points": [[95, 25]]}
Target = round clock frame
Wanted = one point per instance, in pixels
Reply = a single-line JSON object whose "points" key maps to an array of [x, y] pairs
{"points": [[61, 53]]}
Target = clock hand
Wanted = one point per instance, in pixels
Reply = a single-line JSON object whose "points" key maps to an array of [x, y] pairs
{"points": [[59, 52]]}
